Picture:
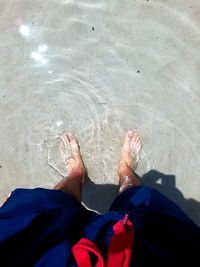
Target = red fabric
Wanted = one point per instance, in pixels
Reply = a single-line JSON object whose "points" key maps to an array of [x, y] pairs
{"points": [[119, 250], [81, 253]]}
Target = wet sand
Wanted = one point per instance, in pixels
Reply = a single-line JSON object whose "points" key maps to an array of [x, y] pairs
{"points": [[97, 69]]}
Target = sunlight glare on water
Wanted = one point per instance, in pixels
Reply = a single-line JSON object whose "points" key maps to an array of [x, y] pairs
{"points": [[24, 30]]}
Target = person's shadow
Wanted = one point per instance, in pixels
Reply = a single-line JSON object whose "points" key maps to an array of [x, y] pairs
{"points": [[99, 197]]}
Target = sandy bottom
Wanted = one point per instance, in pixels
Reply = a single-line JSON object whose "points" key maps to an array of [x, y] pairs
{"points": [[97, 69]]}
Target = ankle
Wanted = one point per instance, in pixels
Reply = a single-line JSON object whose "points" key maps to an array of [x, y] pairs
{"points": [[127, 178], [72, 186], [124, 170]]}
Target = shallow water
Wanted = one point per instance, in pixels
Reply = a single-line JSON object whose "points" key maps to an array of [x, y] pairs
{"points": [[96, 69]]}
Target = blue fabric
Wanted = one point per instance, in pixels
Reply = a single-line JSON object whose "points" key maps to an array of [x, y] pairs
{"points": [[39, 226]]}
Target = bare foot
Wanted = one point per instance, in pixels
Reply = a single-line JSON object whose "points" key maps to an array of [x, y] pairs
{"points": [[76, 170], [129, 161]]}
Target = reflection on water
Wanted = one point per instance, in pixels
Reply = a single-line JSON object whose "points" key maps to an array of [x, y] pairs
{"points": [[42, 48], [24, 30], [39, 55], [113, 66]]}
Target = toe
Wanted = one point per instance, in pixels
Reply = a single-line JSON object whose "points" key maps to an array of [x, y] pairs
{"points": [[72, 141], [65, 138], [135, 136], [139, 146], [74, 147], [137, 139], [126, 144], [130, 134], [135, 143], [70, 137], [128, 137]]}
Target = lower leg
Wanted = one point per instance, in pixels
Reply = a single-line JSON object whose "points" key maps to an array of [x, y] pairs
{"points": [[71, 186]]}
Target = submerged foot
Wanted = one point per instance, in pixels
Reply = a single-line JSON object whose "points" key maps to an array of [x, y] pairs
{"points": [[129, 161], [76, 170], [74, 162]]}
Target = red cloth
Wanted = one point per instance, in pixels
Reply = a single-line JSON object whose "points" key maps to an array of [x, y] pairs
{"points": [[119, 250]]}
